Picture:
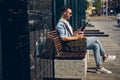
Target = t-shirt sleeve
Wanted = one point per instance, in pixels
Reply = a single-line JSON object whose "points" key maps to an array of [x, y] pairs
{"points": [[61, 29]]}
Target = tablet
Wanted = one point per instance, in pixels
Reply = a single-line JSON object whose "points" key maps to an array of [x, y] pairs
{"points": [[83, 27]]}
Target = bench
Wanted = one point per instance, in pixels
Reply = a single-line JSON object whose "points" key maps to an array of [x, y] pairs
{"points": [[68, 64]]}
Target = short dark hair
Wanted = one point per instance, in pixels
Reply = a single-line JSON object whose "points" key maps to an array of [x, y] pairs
{"points": [[64, 8]]}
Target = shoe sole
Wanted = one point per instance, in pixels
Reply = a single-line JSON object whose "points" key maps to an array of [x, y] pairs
{"points": [[109, 60], [103, 73]]}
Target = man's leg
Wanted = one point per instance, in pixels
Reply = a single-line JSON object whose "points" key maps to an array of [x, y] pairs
{"points": [[93, 44], [91, 40], [102, 51], [119, 22]]}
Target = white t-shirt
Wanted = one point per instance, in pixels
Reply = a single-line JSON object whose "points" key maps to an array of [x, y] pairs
{"points": [[118, 16], [68, 24]]}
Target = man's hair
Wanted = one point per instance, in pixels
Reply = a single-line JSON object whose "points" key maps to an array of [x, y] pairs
{"points": [[64, 8]]}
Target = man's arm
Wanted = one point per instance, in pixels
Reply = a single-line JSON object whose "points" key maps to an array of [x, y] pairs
{"points": [[62, 32]]}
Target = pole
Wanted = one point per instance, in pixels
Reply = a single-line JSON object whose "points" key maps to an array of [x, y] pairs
{"points": [[101, 7], [107, 9]]}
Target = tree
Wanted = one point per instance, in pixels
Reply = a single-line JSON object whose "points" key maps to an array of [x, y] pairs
{"points": [[87, 4], [97, 5]]}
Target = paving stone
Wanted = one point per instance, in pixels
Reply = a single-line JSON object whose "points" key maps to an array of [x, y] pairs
{"points": [[112, 46]]}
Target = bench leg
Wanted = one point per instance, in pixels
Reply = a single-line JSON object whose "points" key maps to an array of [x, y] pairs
{"points": [[88, 55]]}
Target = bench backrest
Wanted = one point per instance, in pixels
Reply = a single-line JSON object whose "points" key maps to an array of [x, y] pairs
{"points": [[56, 40]]}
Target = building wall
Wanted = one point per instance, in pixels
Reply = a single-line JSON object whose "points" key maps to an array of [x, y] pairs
{"points": [[78, 12]]}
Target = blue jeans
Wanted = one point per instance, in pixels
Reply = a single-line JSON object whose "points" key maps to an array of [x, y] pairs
{"points": [[118, 21], [94, 44]]}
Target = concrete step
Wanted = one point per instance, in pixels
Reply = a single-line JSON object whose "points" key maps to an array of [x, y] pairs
{"points": [[97, 35], [91, 32]]}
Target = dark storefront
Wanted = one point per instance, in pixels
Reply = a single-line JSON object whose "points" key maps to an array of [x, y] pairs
{"points": [[25, 51], [14, 40]]}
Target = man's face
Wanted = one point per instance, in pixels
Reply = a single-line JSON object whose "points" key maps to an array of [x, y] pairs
{"points": [[68, 14]]}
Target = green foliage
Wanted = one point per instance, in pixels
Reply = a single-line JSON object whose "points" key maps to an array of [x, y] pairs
{"points": [[97, 5], [87, 4]]}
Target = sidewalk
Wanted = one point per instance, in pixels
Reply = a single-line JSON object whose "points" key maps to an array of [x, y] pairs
{"points": [[102, 18], [112, 47]]}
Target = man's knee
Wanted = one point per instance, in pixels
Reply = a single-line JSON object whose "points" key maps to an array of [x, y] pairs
{"points": [[96, 39], [96, 46]]}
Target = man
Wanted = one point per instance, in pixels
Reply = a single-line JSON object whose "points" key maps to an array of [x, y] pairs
{"points": [[118, 19], [66, 33]]}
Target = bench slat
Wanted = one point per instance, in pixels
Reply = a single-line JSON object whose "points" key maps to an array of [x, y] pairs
{"points": [[71, 55]]}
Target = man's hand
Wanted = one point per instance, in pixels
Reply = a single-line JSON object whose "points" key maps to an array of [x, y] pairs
{"points": [[78, 32], [80, 35]]}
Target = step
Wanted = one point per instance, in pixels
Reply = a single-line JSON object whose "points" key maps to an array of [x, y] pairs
{"points": [[97, 35], [91, 32]]}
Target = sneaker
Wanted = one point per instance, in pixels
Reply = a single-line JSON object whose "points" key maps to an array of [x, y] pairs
{"points": [[103, 70], [109, 58]]}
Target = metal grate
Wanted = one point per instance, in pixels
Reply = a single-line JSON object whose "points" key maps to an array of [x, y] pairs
{"points": [[40, 22]]}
